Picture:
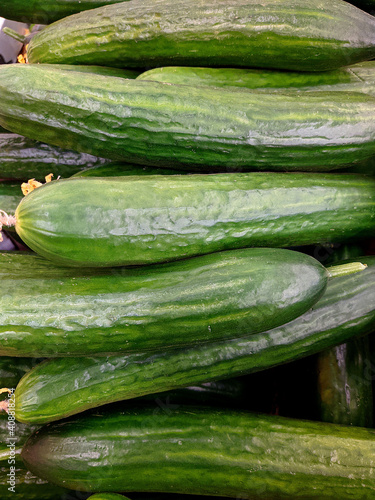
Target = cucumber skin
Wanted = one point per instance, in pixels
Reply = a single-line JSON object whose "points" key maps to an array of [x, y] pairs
{"points": [[345, 385], [294, 36], [61, 387], [23, 158], [241, 454], [348, 78], [150, 219], [46, 11], [151, 123], [150, 308], [96, 70]]}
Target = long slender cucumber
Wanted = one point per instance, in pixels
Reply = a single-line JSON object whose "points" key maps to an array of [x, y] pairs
{"points": [[62, 387]]}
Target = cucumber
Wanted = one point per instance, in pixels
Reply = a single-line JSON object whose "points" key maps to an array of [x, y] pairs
{"points": [[46, 11], [10, 196], [246, 33], [348, 78], [175, 126], [15, 434], [96, 70], [345, 385], [62, 387], [205, 451], [149, 219], [22, 158], [70, 312]]}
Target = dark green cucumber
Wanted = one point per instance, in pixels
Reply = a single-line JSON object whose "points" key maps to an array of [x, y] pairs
{"points": [[22, 158], [148, 219], [216, 296], [248, 33], [10, 196], [208, 452], [176, 126], [46, 11], [13, 435], [62, 387], [344, 384], [29, 486], [345, 78]]}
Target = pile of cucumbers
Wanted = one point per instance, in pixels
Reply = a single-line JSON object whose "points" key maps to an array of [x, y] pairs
{"points": [[192, 309]]}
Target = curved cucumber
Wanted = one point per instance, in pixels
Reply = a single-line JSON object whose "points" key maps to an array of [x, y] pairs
{"points": [[176, 126], [149, 219], [62, 387], [221, 295], [22, 158], [246, 33], [46, 11], [239, 453], [348, 78], [345, 384]]}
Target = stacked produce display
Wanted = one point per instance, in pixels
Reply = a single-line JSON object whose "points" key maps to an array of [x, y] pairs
{"points": [[190, 309]]}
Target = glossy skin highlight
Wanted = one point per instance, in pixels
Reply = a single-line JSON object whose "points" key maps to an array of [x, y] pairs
{"points": [[71, 312], [206, 452], [61, 387]]}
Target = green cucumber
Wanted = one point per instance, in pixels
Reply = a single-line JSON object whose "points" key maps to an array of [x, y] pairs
{"points": [[62, 387], [96, 70], [22, 158], [14, 434], [344, 384], [29, 486], [46, 11], [148, 219], [206, 452], [345, 78], [176, 126], [216, 296], [245, 33], [10, 196]]}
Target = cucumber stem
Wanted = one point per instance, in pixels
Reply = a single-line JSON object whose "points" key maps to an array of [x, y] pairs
{"points": [[13, 34], [345, 269], [6, 220]]}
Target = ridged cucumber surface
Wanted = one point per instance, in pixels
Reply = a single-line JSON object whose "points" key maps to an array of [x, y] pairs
{"points": [[317, 36], [221, 295], [22, 158], [149, 219], [176, 126], [208, 452], [62, 387], [46, 11], [344, 78]]}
